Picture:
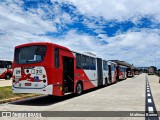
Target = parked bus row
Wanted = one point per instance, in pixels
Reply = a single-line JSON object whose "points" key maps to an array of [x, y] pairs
{"points": [[47, 68]]}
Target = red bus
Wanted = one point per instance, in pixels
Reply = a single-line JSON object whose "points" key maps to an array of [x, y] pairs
{"points": [[48, 68], [5, 69]]}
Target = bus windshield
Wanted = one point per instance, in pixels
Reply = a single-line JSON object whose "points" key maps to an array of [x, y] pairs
{"points": [[30, 54]]}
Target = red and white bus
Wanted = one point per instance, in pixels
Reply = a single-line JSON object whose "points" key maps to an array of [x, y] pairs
{"points": [[48, 68], [5, 69], [122, 72], [130, 72]]}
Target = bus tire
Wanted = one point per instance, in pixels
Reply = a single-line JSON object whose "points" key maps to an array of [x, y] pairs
{"points": [[8, 76], [79, 88]]}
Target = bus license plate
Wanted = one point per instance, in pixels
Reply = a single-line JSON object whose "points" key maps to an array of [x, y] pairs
{"points": [[27, 84]]}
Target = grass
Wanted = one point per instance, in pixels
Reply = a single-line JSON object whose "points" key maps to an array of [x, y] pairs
{"points": [[6, 95]]}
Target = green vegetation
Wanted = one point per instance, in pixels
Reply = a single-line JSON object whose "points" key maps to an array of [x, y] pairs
{"points": [[6, 95]]}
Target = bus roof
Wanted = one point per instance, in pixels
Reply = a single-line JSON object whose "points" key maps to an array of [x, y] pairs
{"points": [[112, 62], [123, 66], [84, 53], [56, 45], [42, 43], [6, 60]]}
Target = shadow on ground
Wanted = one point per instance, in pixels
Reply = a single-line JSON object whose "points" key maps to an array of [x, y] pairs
{"points": [[49, 100]]}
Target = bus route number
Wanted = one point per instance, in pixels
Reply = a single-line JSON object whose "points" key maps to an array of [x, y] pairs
{"points": [[18, 72], [39, 72]]}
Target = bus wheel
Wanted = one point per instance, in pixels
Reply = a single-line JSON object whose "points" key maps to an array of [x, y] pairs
{"points": [[7, 76], [79, 88]]}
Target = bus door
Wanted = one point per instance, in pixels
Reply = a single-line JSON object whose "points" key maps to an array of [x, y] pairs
{"points": [[125, 73], [99, 71], [109, 74], [118, 72], [68, 74]]}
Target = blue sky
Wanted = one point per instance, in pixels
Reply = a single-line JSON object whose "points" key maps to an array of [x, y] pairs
{"points": [[126, 30]]}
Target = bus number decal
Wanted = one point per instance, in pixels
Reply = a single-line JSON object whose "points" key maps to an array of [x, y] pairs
{"points": [[18, 72], [39, 72]]}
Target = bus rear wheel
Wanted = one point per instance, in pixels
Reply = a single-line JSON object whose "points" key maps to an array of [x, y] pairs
{"points": [[79, 88], [7, 76]]}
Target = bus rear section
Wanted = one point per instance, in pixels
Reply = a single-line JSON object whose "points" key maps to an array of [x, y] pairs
{"points": [[30, 69], [122, 74], [151, 71], [130, 72], [5, 69], [136, 71]]}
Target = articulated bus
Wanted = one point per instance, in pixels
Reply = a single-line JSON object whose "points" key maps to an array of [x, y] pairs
{"points": [[5, 69], [47, 68], [122, 72]]}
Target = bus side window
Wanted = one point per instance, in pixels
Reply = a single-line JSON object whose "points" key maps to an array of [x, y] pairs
{"points": [[56, 57], [104, 65], [83, 62], [78, 61], [2, 64], [8, 64], [94, 63]]}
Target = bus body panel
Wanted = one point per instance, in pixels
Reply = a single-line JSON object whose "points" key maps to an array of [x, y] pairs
{"points": [[3, 72], [105, 76], [30, 77], [114, 72], [105, 72], [92, 76]]}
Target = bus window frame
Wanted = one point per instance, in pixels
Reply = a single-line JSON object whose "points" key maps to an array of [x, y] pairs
{"points": [[56, 58]]}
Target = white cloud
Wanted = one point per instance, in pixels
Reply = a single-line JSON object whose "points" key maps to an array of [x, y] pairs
{"points": [[134, 47], [119, 9], [12, 18], [18, 26]]}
